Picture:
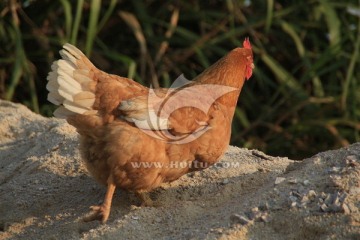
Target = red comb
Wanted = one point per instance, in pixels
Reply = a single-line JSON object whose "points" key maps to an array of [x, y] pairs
{"points": [[246, 43]]}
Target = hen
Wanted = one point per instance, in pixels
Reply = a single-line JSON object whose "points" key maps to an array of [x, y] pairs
{"points": [[136, 138]]}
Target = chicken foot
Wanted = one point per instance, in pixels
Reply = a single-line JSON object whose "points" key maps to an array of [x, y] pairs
{"points": [[146, 201], [102, 211]]}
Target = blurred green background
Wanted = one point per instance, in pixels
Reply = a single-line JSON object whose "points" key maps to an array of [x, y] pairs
{"points": [[304, 96]]}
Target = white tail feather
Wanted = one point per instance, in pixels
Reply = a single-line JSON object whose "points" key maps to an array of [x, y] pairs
{"points": [[68, 57], [62, 112], [54, 66], [52, 85], [55, 98], [84, 99], [64, 94], [70, 84], [73, 50], [73, 107], [79, 77]]}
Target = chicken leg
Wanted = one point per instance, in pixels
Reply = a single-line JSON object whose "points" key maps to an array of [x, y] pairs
{"points": [[102, 211]]}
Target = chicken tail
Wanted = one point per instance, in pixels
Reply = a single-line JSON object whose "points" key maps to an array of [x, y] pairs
{"points": [[71, 83]]}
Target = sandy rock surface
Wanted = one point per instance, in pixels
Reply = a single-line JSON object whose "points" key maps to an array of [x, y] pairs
{"points": [[45, 191]]}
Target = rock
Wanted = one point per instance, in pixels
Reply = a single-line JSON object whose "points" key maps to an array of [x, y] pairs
{"points": [[254, 214], [336, 180], [345, 208], [334, 203], [335, 208], [296, 193], [329, 199], [255, 209], [323, 195], [279, 180], [293, 198], [336, 200], [262, 155], [262, 169], [236, 218], [293, 180], [306, 182], [311, 195], [355, 190], [265, 217], [293, 204], [352, 207], [317, 160], [217, 230], [225, 181], [304, 199], [351, 160], [335, 170], [324, 207], [342, 196], [264, 207]]}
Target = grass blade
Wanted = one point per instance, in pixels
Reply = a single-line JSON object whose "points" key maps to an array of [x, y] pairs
{"points": [[93, 24], [29, 77], [350, 71], [17, 70], [75, 28], [135, 26], [289, 29], [107, 14], [283, 76], [333, 22], [269, 15], [68, 18]]}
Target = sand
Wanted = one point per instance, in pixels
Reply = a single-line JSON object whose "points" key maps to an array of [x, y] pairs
{"points": [[45, 191]]}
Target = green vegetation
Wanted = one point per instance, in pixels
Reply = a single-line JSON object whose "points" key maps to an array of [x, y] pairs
{"points": [[304, 96]]}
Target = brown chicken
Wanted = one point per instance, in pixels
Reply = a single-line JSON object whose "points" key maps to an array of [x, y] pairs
{"points": [[136, 138]]}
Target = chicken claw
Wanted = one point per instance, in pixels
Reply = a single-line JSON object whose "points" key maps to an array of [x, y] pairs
{"points": [[100, 213]]}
